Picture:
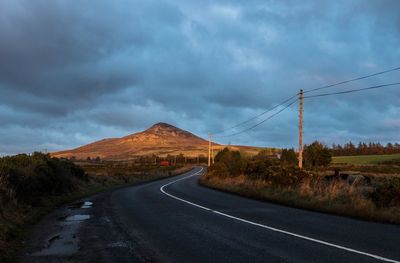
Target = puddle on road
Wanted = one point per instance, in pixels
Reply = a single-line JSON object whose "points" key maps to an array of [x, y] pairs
{"points": [[62, 244], [77, 218], [87, 205], [65, 242]]}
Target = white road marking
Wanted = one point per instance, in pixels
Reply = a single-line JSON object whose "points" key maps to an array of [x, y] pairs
{"points": [[180, 199], [269, 227]]}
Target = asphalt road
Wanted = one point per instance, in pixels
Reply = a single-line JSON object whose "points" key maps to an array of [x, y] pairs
{"points": [[176, 220]]}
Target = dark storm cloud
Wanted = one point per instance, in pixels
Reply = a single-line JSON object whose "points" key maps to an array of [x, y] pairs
{"points": [[71, 73]]}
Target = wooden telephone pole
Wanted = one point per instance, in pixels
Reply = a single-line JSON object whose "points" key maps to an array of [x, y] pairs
{"points": [[212, 152], [209, 149], [301, 130]]}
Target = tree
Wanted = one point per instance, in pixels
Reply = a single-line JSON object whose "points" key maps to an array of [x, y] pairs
{"points": [[180, 158], [365, 149], [289, 156], [389, 148], [350, 149], [317, 154], [231, 159]]}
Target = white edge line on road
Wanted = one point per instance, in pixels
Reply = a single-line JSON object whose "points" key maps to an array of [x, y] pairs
{"points": [[180, 199], [269, 227]]}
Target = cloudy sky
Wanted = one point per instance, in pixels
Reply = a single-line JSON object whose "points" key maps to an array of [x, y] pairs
{"points": [[72, 72]]}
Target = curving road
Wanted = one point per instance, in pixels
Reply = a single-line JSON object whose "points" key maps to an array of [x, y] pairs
{"points": [[176, 220]]}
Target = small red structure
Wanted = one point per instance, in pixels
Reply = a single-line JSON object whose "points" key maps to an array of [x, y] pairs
{"points": [[164, 163]]}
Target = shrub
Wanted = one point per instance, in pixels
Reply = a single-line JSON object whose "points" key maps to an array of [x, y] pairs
{"points": [[26, 178], [231, 159], [317, 154], [387, 192], [220, 170], [289, 156]]}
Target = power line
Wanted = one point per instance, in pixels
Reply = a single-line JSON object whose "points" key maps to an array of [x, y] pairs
{"points": [[350, 91], [307, 91], [259, 123], [351, 80], [257, 116], [305, 97]]}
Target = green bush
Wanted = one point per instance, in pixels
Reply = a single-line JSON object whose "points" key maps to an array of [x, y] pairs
{"points": [[26, 179], [387, 192], [231, 159], [273, 171], [260, 169], [220, 170], [317, 154], [289, 156]]}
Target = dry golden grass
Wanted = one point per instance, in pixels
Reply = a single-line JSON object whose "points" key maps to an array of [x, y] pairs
{"points": [[332, 197]]}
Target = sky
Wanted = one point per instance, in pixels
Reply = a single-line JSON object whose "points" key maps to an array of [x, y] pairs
{"points": [[73, 72]]}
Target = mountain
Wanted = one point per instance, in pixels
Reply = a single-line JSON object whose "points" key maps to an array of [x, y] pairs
{"points": [[160, 139]]}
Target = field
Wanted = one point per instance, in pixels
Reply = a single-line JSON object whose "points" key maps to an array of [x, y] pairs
{"points": [[364, 159]]}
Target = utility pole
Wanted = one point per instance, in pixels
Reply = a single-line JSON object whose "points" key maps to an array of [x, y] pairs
{"points": [[301, 130], [212, 152], [209, 149]]}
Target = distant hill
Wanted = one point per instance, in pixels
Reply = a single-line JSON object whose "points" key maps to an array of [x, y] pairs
{"points": [[160, 139]]}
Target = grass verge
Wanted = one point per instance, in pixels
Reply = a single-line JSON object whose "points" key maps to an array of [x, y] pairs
{"points": [[334, 197]]}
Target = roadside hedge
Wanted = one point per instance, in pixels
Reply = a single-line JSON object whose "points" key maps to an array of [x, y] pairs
{"points": [[28, 178]]}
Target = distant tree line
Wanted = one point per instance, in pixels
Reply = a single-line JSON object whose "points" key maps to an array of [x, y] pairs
{"points": [[364, 149], [153, 159], [314, 155]]}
